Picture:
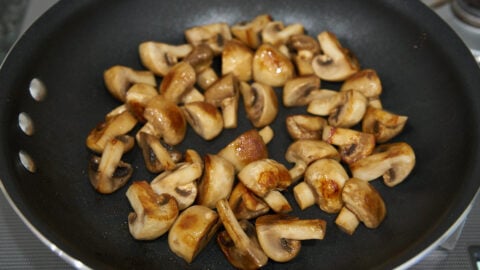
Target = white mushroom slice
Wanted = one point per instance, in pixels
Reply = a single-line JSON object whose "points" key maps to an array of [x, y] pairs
{"points": [[245, 204], [393, 161], [250, 32], [204, 118], [353, 145], [271, 67], [275, 33], [118, 79], [159, 57], [216, 182], [153, 214], [224, 94], [137, 98], [300, 91], [192, 231], [306, 48], [304, 152], [178, 82], [214, 35], [200, 58], [113, 127], [365, 81], [280, 235], [206, 78], [336, 63], [167, 119], [260, 103], [237, 59], [383, 124], [157, 158], [277, 202], [246, 247], [304, 127]]}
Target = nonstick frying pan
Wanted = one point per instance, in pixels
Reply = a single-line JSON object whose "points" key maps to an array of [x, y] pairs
{"points": [[427, 74]]}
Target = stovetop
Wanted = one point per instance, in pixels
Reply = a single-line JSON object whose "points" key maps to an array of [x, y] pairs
{"points": [[21, 249]]}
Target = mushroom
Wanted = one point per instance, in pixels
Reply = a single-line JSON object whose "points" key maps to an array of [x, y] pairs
{"points": [[383, 124], [271, 67], [204, 118], [304, 152], [393, 161], [193, 95], [153, 214], [167, 119], [200, 58], [216, 182], [303, 126], [353, 145], [137, 98], [214, 35], [336, 63], [277, 202], [224, 94], [108, 173], [250, 32], [157, 158], [365, 81], [246, 247], [206, 78], [178, 82], [237, 59], [345, 109], [275, 33], [260, 103], [245, 204], [306, 47], [364, 202], [323, 183], [300, 91], [118, 79], [280, 235], [192, 231], [160, 57]]}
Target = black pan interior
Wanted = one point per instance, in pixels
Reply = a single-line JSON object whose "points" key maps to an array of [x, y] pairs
{"points": [[427, 74]]}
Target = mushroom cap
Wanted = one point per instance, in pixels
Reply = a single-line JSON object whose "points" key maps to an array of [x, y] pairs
{"points": [[383, 124], [200, 58], [365, 81], [118, 79], [178, 82], [214, 35], [303, 42], [137, 98], [260, 103], [364, 201], [353, 145], [300, 91], [224, 93], [159, 57], [245, 204], [271, 67], [303, 126], [237, 59], [250, 32], [276, 33], [204, 118], [350, 110]]}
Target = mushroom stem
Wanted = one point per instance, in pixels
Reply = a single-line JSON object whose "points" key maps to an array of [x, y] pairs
{"points": [[347, 221], [304, 195], [277, 202], [266, 133]]}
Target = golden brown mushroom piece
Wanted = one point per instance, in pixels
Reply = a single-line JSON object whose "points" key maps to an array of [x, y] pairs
{"points": [[118, 79], [206, 78], [245, 204], [353, 145], [205, 119], [260, 103], [137, 98], [383, 124], [393, 161], [275, 33], [214, 35], [237, 59], [200, 58], [335, 63], [271, 67], [156, 156], [153, 214], [305, 48], [192, 231], [305, 127], [366, 81], [160, 57], [250, 32], [300, 91], [178, 82], [224, 94]]}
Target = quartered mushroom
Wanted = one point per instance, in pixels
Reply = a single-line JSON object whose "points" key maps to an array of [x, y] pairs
{"points": [[393, 161], [108, 173], [237, 59], [260, 103], [137, 98], [245, 247], [323, 183], [205, 119], [353, 145], [217, 181], [159, 57], [275, 33], [206, 78], [366, 81], [178, 82], [303, 152], [383, 124], [153, 214], [250, 32], [118, 79], [304, 126], [245, 204], [300, 91], [280, 235], [305, 48], [200, 58], [192, 231], [362, 203], [271, 67], [335, 63], [214, 35], [156, 156], [224, 94]]}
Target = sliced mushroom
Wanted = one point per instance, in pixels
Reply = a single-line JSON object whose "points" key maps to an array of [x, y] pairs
{"points": [[214, 35], [304, 152], [246, 248], [271, 67], [353, 145], [193, 95], [336, 63], [204, 118], [324, 179], [260, 103], [300, 91], [245, 204], [153, 214], [206, 78], [108, 173], [275, 33], [200, 58], [347, 221], [237, 59], [365, 81], [157, 158], [306, 48], [277, 202], [216, 182], [250, 32], [118, 79], [159, 57], [192, 231], [303, 126], [178, 82], [393, 161], [383, 124], [224, 94], [137, 98], [280, 235], [167, 119]]}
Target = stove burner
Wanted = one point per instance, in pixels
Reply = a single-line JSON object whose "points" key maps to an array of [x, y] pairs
{"points": [[467, 11]]}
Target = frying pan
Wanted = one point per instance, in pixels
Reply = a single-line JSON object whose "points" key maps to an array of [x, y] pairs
{"points": [[427, 74]]}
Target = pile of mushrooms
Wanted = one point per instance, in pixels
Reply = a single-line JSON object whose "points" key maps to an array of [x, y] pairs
{"points": [[237, 195]]}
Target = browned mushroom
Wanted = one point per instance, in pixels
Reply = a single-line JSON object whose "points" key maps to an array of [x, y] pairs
{"points": [[245, 204], [353, 145], [206, 78], [275, 33], [300, 91], [157, 158], [178, 82], [137, 98], [303, 126], [271, 67], [305, 48], [159, 57], [237, 59], [118, 79], [383, 124], [204, 118], [200, 58], [224, 94], [250, 32], [260, 102], [214, 35]]}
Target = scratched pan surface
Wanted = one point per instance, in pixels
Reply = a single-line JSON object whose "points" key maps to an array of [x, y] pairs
{"points": [[427, 74]]}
